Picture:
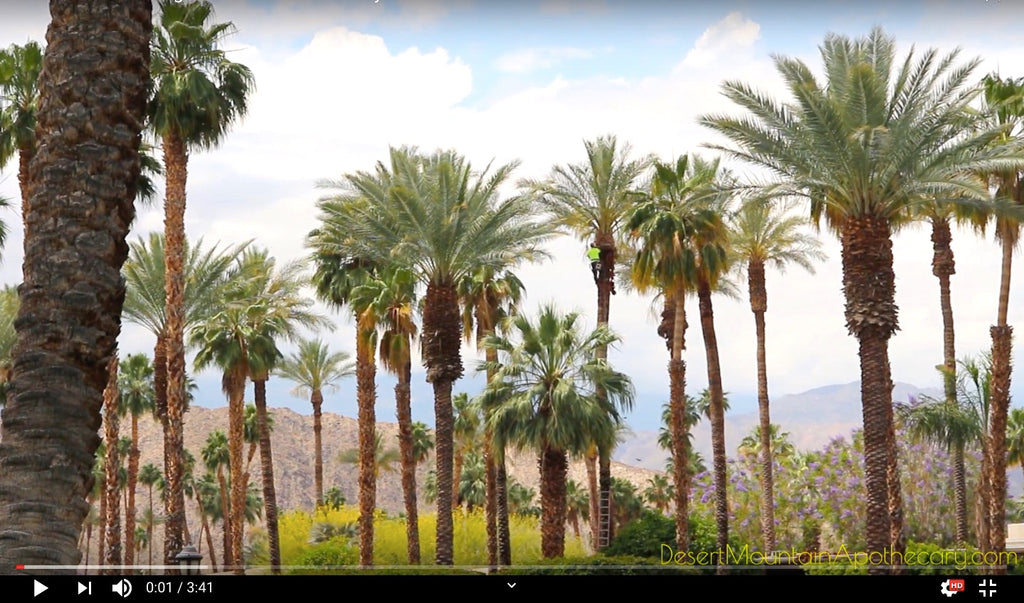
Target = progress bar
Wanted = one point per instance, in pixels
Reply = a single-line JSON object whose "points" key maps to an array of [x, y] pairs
{"points": [[104, 567]]}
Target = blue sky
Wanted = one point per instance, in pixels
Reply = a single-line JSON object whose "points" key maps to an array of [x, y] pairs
{"points": [[337, 82]]}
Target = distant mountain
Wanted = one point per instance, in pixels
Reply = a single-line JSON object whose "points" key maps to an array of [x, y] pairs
{"points": [[812, 418]]}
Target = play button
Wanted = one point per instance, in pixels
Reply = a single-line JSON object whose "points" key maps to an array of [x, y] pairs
{"points": [[38, 587]]}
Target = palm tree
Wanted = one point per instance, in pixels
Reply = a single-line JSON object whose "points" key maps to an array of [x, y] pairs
{"points": [[487, 301], [216, 456], [577, 504], [337, 282], [45, 459], [438, 217], [763, 235], [197, 95], [466, 436], [591, 200], [150, 476], [20, 66], [663, 224], [390, 299], [658, 492], [1005, 100], [135, 385], [544, 398], [112, 462], [877, 138], [974, 391], [422, 442], [277, 292], [954, 427], [315, 369], [145, 305]]}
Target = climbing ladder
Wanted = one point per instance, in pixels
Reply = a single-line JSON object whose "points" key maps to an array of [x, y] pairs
{"points": [[604, 520]]}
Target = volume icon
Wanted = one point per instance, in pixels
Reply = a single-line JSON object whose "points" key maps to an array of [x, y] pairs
{"points": [[123, 588]]}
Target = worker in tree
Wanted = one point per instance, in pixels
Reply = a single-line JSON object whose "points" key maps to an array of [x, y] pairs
{"points": [[594, 255]]}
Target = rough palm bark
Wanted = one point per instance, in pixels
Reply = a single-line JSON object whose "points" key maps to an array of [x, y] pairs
{"points": [[133, 480], [943, 267], [317, 400], [267, 473], [590, 462], [366, 371], [871, 317], [759, 306], [501, 489], [605, 288], [441, 343], [234, 385], [111, 465], [680, 436], [554, 468], [25, 153], [894, 496], [82, 186], [175, 162], [717, 411], [403, 403]]}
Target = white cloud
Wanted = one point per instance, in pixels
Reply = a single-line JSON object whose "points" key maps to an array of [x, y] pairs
{"points": [[723, 39]]}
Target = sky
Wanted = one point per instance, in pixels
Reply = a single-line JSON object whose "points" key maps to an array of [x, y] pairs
{"points": [[338, 82]]}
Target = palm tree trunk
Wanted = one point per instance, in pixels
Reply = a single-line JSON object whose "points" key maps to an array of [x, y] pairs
{"points": [[225, 505], [605, 287], [111, 425], [554, 468], [707, 324], [206, 528], [894, 496], [93, 94], [403, 403], [235, 386], [133, 478], [456, 475], [759, 305], [871, 317], [1002, 336], [101, 547], [267, 471], [441, 342], [317, 400], [501, 490], [366, 370], [176, 166], [590, 461], [943, 267], [679, 427]]}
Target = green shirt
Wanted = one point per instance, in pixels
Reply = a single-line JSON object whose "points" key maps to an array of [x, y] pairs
{"points": [[594, 254]]}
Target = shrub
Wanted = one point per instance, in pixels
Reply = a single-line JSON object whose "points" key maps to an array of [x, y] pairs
{"points": [[645, 536]]}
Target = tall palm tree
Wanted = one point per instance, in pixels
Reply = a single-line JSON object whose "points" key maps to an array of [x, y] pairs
{"points": [[145, 305], [315, 369], [877, 137], [112, 462], [282, 308], [1005, 100], [149, 476], [544, 398], [662, 225], [90, 152], [441, 219], [467, 436], [955, 427], [488, 299], [391, 299], [135, 385], [591, 200], [20, 66], [765, 235], [658, 492], [337, 282], [197, 95], [216, 456]]}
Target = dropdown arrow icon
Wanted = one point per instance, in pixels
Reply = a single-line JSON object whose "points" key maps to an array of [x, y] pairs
{"points": [[511, 584]]}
